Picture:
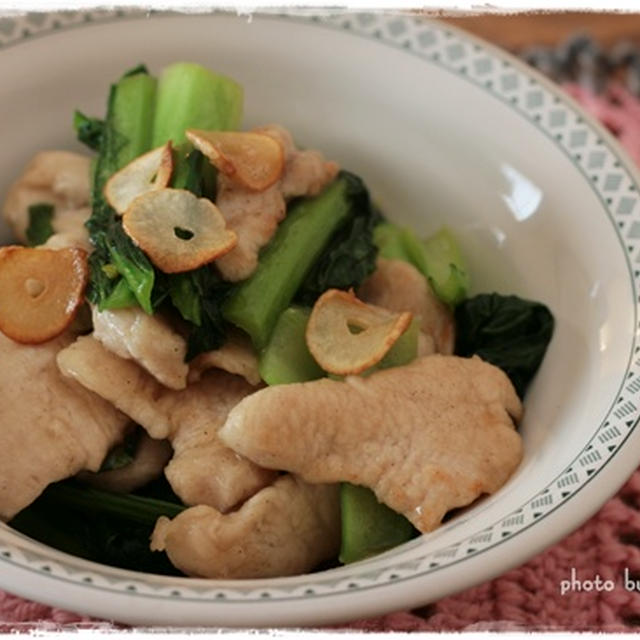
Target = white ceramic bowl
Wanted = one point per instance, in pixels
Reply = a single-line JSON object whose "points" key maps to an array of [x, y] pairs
{"points": [[443, 128]]}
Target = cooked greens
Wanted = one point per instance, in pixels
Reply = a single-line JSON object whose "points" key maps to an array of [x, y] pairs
{"points": [[304, 238], [507, 331], [123, 453], [438, 258], [368, 526], [350, 255], [132, 264], [193, 172], [101, 526], [203, 294], [89, 130], [40, 228], [121, 274], [287, 358], [126, 135], [193, 97]]}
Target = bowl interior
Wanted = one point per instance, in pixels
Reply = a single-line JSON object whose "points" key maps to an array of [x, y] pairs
{"points": [[434, 148]]}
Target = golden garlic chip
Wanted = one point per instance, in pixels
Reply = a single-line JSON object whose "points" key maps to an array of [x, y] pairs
{"points": [[149, 172], [347, 336], [254, 160], [178, 231], [40, 291]]}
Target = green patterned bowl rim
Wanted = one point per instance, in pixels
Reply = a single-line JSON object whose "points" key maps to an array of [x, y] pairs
{"points": [[594, 153]]}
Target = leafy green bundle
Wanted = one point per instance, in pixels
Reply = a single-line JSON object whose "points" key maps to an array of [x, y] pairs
{"points": [[138, 108], [142, 111], [507, 331], [101, 526]]}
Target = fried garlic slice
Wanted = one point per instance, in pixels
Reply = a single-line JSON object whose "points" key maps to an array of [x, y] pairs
{"points": [[347, 336], [40, 291], [149, 172], [253, 159], [178, 231]]}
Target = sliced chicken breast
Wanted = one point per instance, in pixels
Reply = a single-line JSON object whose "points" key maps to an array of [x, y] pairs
{"points": [[426, 437], [59, 178], [236, 356], [285, 529], [147, 340], [255, 215], [203, 470], [50, 427], [398, 286]]}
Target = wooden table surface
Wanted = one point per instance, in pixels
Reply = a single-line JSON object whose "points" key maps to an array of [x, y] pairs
{"points": [[517, 31]]}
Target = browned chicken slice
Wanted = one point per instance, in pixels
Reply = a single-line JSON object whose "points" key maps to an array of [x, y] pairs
{"points": [[426, 437], [59, 178], [149, 460], [236, 356], [50, 427], [203, 470], [148, 340], [398, 286], [255, 215], [306, 172], [285, 529]]}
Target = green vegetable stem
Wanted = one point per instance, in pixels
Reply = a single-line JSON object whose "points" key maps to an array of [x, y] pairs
{"points": [[89, 130], [142, 113], [438, 258], [368, 526], [286, 358], [299, 243], [350, 255], [125, 135], [390, 242], [192, 97]]}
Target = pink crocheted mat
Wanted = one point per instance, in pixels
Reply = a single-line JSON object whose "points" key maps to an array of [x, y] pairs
{"points": [[528, 598]]}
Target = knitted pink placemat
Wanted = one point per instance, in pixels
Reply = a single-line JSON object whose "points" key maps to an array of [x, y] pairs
{"points": [[555, 591]]}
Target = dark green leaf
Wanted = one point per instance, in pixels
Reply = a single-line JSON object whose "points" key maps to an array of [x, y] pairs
{"points": [[134, 71], [185, 297], [211, 292], [121, 296], [135, 509], [212, 333], [40, 228], [132, 264], [122, 454], [88, 130], [104, 527], [198, 296], [506, 331]]}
